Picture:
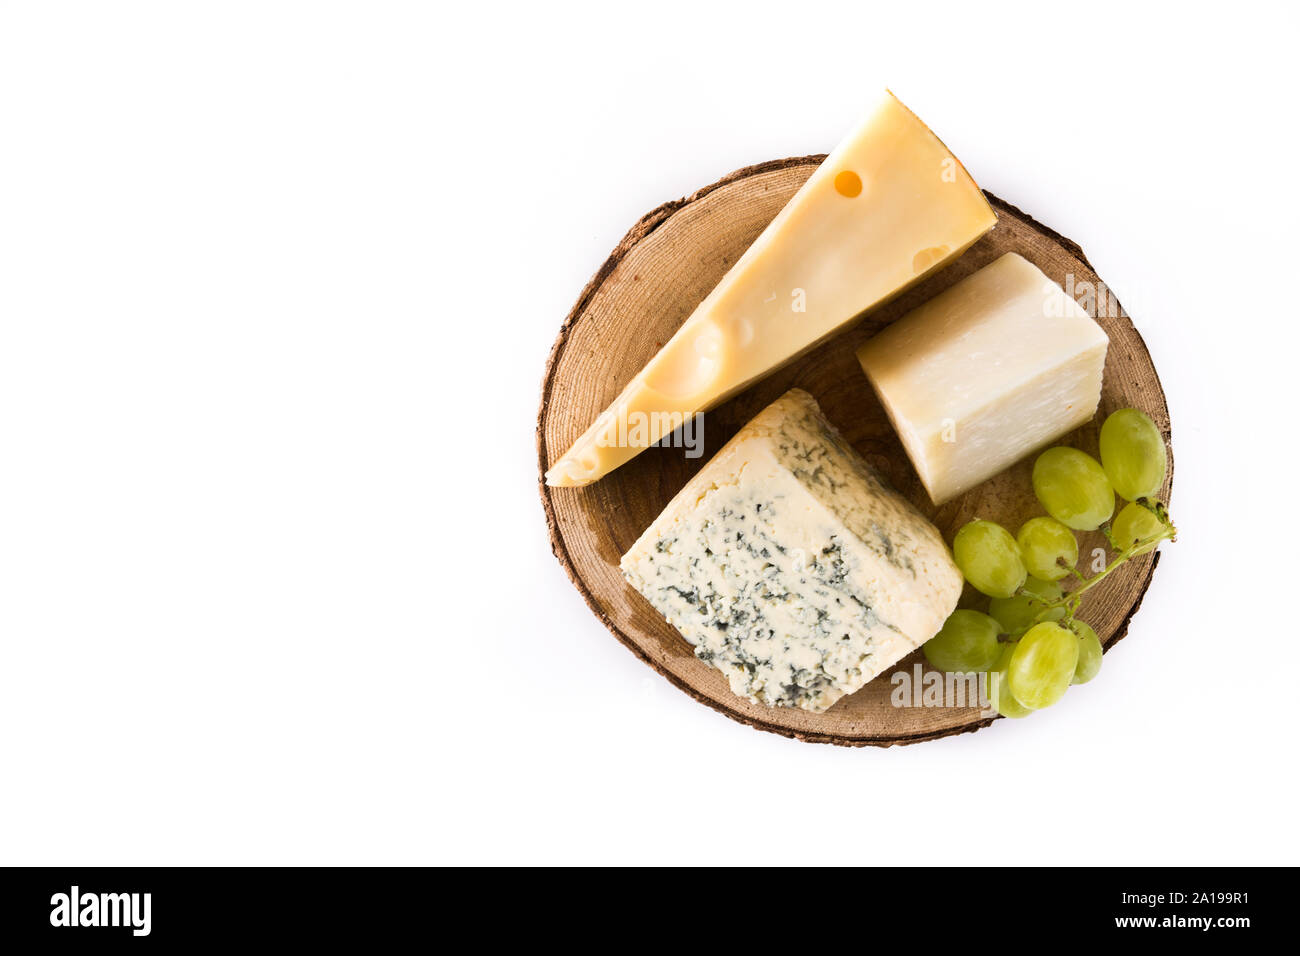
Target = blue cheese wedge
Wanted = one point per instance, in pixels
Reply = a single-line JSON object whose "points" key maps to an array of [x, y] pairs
{"points": [[791, 566]]}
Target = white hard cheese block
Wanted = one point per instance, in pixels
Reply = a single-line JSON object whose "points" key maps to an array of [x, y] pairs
{"points": [[888, 207], [996, 367], [791, 566]]}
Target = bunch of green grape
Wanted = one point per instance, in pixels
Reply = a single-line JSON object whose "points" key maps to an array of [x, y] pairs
{"points": [[1029, 644]]}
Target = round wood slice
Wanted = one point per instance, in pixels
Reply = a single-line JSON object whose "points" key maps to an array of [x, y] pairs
{"points": [[649, 285]]}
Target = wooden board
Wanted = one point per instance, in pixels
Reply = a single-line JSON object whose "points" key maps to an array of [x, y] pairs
{"points": [[649, 285]]}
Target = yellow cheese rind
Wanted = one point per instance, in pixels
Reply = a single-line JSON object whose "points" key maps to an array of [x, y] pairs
{"points": [[986, 373], [829, 256]]}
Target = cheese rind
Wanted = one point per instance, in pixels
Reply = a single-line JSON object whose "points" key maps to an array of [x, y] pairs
{"points": [[991, 370], [790, 565], [836, 250]]}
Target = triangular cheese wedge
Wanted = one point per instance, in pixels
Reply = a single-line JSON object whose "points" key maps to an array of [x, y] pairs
{"points": [[888, 207]]}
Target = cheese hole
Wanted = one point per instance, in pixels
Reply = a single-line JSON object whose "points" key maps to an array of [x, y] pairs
{"points": [[927, 258], [744, 330], [848, 183], [691, 365]]}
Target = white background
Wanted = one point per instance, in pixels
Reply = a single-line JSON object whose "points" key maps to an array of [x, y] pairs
{"points": [[277, 283]]}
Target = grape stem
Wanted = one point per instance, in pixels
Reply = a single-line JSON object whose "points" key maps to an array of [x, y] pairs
{"points": [[1074, 571], [1072, 599]]}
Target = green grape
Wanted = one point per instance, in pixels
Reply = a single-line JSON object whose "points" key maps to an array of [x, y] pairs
{"points": [[1089, 653], [1022, 609], [1133, 524], [1044, 544], [968, 641], [1042, 666], [1133, 454], [995, 685], [1073, 488], [989, 558]]}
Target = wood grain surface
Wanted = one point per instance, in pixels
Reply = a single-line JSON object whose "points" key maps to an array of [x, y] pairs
{"points": [[649, 285]]}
